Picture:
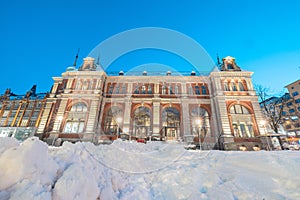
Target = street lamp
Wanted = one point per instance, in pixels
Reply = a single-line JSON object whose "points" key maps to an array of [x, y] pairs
{"points": [[118, 120], [263, 124], [198, 122]]}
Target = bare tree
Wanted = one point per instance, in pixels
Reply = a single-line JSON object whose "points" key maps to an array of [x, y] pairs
{"points": [[272, 106]]}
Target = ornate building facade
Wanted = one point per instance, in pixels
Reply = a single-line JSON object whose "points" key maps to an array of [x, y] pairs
{"points": [[220, 110], [20, 114]]}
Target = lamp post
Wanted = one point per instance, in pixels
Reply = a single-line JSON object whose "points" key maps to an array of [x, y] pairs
{"points": [[263, 124], [198, 122], [118, 120]]}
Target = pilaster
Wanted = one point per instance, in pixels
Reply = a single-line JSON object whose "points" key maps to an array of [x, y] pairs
{"points": [[156, 116]]}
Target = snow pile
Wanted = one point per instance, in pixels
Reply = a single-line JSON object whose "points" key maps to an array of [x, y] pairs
{"points": [[156, 170], [27, 167]]}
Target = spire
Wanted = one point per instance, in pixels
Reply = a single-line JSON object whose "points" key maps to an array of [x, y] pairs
{"points": [[218, 60], [98, 60], [76, 58], [33, 90]]}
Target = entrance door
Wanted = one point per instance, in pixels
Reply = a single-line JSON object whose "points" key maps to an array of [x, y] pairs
{"points": [[141, 131], [171, 133]]}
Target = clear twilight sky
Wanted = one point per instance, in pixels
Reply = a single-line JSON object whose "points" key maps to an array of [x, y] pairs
{"points": [[39, 39]]}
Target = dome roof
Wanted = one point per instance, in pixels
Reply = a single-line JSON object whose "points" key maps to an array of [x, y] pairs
{"points": [[70, 69]]}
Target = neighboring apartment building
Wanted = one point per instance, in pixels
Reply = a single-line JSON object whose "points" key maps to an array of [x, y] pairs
{"points": [[291, 115], [20, 114], [220, 110], [285, 109]]}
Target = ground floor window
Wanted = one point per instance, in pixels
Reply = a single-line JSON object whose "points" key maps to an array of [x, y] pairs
{"points": [[200, 122], [74, 127], [242, 122]]}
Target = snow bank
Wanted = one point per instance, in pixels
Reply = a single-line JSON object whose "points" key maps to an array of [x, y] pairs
{"points": [[27, 167], [156, 170], [7, 142]]}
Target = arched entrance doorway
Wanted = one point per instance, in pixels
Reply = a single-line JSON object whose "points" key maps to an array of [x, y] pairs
{"points": [[141, 122], [200, 123], [113, 121], [170, 123]]}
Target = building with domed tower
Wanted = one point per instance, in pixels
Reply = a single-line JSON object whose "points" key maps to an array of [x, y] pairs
{"points": [[219, 110]]}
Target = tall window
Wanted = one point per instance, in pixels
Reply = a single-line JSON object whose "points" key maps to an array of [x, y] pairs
{"points": [[242, 123], [137, 90], [117, 90], [76, 118], [241, 86], [191, 92], [113, 120], [176, 89], [200, 122], [163, 89], [233, 86], [124, 89], [170, 89], [171, 123], [141, 122], [150, 89], [197, 90], [204, 89], [226, 88], [171, 117], [111, 89], [143, 89]]}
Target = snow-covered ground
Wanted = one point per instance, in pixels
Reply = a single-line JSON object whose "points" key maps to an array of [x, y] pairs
{"points": [[129, 170]]}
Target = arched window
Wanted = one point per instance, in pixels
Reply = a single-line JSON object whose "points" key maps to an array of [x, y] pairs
{"points": [[204, 91], [143, 89], [141, 122], [124, 89], [117, 89], [242, 123], [191, 92], [233, 86], [163, 89], [137, 90], [79, 107], [171, 123], [113, 120], [226, 88], [197, 90], [176, 89], [200, 122], [170, 89], [241, 86], [111, 89], [75, 121], [150, 89]]}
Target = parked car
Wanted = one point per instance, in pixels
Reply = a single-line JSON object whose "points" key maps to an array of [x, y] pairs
{"points": [[287, 146]]}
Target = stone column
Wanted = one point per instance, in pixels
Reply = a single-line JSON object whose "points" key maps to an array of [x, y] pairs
{"points": [[186, 120], [60, 114], [44, 117], [156, 116], [126, 117], [91, 122]]}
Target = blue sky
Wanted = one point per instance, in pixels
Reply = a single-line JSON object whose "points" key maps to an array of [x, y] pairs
{"points": [[39, 39]]}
